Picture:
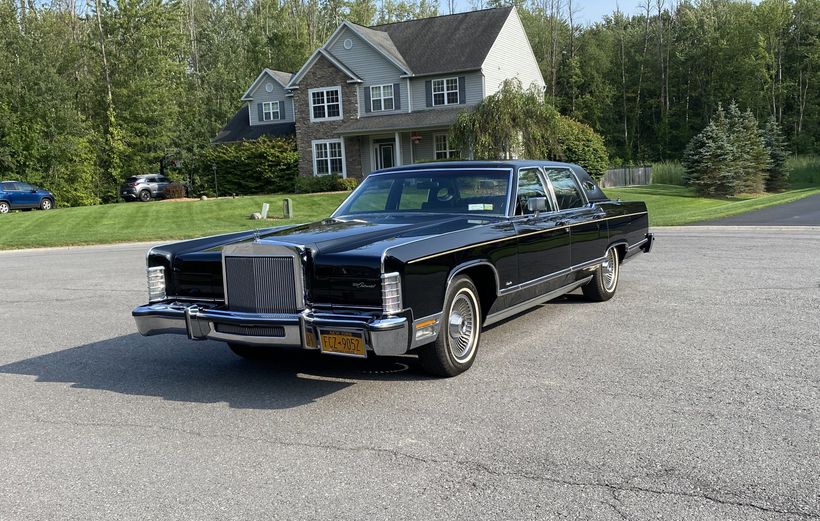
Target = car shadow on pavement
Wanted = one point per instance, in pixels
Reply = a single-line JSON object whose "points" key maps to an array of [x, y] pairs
{"points": [[176, 369]]}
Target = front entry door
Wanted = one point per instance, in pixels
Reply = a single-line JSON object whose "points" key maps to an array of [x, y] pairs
{"points": [[384, 155]]}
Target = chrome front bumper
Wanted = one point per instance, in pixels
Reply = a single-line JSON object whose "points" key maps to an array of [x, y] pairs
{"points": [[384, 335]]}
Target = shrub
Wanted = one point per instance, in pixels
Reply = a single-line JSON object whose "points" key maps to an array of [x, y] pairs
{"points": [[349, 183], [324, 183], [267, 165], [578, 143], [175, 191], [803, 169], [667, 173]]}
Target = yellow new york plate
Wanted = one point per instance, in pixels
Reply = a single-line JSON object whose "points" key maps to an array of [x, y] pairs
{"points": [[343, 343]]}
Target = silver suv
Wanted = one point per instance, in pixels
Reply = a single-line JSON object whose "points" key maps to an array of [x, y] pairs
{"points": [[146, 187]]}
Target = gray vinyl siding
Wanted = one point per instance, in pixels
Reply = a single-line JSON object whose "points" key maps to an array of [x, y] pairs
{"points": [[425, 149], [474, 88], [369, 65], [511, 56], [260, 95]]}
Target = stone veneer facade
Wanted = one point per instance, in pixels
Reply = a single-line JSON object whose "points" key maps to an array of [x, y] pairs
{"points": [[325, 74]]}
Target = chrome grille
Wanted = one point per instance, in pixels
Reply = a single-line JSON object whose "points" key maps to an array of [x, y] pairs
{"points": [[261, 284]]}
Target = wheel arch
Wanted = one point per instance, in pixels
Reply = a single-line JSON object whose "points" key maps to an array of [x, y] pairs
{"points": [[620, 247], [484, 277]]}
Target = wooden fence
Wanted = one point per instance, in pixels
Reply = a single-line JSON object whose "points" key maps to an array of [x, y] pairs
{"points": [[634, 175]]}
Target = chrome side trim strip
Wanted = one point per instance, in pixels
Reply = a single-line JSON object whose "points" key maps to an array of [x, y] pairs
{"points": [[637, 244], [545, 278], [510, 311], [512, 237]]}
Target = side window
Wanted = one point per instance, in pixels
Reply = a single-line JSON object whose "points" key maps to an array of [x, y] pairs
{"points": [[529, 185], [566, 189], [164, 180], [9, 187], [24, 187], [151, 180]]}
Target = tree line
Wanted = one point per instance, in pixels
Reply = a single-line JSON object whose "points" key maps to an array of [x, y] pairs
{"points": [[94, 92]]}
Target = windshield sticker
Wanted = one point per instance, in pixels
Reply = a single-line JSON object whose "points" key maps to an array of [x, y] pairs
{"points": [[480, 207]]}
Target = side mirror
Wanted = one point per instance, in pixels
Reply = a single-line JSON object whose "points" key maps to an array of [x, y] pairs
{"points": [[536, 204]]}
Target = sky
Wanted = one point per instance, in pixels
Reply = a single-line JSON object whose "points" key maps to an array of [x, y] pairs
{"points": [[588, 11]]}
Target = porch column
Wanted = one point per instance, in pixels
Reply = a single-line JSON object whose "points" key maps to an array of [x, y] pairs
{"points": [[398, 150]]}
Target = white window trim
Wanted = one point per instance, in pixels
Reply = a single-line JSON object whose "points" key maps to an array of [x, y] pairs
{"points": [[451, 153], [325, 89], [444, 83], [269, 105], [315, 160], [382, 97]]}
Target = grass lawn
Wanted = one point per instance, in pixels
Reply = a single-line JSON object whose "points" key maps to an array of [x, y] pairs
{"points": [[158, 221], [671, 205]]}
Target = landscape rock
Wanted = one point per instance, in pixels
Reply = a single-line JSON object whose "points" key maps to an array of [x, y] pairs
{"points": [[256, 216]]}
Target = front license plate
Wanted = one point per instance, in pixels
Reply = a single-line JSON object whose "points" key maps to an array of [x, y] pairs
{"points": [[343, 343]]}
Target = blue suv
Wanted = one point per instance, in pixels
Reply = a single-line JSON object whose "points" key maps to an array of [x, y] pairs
{"points": [[16, 194]]}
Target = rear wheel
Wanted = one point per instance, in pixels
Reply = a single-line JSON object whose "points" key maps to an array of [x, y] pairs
{"points": [[605, 280], [455, 348], [46, 204], [4, 207], [145, 196]]}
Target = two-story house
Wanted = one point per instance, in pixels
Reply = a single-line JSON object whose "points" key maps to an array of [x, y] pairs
{"points": [[382, 96]]}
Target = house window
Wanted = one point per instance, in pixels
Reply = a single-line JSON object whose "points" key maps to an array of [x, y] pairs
{"points": [[325, 104], [270, 110], [445, 92], [443, 150], [381, 97], [328, 157]]}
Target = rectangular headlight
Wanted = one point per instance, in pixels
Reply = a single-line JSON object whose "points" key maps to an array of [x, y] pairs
{"points": [[391, 293], [156, 284]]}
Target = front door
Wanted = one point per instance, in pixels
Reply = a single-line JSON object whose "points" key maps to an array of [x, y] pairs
{"points": [[384, 155]]}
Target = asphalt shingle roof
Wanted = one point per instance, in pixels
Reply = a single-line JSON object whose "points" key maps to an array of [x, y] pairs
{"points": [[425, 119], [240, 129], [456, 42]]}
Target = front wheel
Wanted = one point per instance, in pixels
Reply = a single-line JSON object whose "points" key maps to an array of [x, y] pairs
{"points": [[145, 196], [455, 348], [605, 280], [46, 204]]}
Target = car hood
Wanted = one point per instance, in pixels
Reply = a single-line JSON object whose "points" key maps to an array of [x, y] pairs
{"points": [[371, 235]]}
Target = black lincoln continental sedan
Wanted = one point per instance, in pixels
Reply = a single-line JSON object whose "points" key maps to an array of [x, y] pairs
{"points": [[416, 260]]}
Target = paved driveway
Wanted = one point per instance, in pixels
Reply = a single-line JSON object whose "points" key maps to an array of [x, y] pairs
{"points": [[691, 395], [804, 212]]}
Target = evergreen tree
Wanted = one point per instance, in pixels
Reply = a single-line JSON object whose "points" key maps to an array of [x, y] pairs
{"points": [[710, 159], [751, 159], [777, 176]]}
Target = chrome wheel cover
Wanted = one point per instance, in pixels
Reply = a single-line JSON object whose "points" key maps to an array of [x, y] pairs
{"points": [[4, 208], [461, 325], [609, 270], [46, 204]]}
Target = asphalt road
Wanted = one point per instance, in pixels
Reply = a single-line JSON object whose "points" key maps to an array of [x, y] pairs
{"points": [[693, 394], [803, 212]]}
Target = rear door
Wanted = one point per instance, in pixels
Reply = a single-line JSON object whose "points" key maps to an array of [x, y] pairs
{"points": [[543, 244], [582, 218], [11, 194]]}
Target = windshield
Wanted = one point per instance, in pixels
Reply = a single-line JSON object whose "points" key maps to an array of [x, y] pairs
{"points": [[431, 191]]}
